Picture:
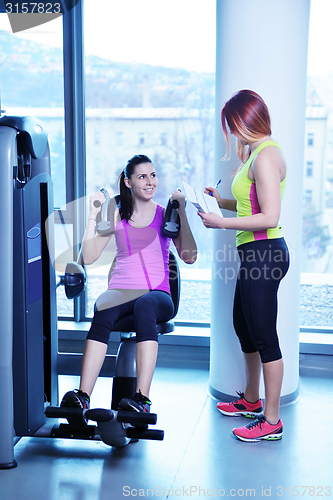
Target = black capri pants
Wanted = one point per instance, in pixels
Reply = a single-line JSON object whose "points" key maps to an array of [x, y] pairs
{"points": [[148, 309], [263, 265]]}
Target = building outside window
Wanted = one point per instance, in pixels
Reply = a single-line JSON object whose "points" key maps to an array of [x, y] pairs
{"points": [[309, 169], [141, 138], [308, 196]]}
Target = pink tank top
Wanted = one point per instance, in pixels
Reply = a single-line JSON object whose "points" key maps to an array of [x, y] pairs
{"points": [[142, 259]]}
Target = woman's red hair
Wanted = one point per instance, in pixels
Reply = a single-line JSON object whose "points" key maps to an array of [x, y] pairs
{"points": [[246, 115]]}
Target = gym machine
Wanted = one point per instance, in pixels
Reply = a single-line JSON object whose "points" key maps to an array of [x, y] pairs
{"points": [[28, 338], [116, 427]]}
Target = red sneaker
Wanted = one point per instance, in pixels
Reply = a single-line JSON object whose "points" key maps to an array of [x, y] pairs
{"points": [[241, 407], [258, 430]]}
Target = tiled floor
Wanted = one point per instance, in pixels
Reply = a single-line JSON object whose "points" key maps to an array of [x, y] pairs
{"points": [[199, 457]]}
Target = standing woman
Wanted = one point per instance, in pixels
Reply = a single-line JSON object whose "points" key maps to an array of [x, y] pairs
{"points": [[139, 282], [258, 188]]}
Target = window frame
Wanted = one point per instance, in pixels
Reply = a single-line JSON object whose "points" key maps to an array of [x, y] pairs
{"points": [[75, 161]]}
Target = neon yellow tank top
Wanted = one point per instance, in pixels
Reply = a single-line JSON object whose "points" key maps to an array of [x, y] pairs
{"points": [[244, 190]]}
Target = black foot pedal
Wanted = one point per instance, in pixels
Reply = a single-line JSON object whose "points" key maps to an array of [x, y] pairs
{"points": [[137, 433], [68, 432], [136, 417]]}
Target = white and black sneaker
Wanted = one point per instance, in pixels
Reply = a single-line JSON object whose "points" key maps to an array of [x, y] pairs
{"points": [[138, 402], [76, 399]]}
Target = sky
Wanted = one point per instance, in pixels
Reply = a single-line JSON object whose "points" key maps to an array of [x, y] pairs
{"points": [[171, 42], [320, 58]]}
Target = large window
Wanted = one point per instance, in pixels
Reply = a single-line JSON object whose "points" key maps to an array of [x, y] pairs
{"points": [[149, 83], [32, 84], [317, 237], [149, 88]]}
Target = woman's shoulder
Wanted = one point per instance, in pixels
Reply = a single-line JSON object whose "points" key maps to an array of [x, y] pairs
{"points": [[160, 211], [159, 216], [264, 147], [270, 150], [268, 160]]}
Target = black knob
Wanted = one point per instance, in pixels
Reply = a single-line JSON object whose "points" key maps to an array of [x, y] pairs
{"points": [[97, 203]]}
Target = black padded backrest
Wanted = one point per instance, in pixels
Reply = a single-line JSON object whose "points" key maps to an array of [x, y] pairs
{"points": [[174, 280]]}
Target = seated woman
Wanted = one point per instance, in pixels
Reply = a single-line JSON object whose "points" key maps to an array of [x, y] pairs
{"points": [[139, 282]]}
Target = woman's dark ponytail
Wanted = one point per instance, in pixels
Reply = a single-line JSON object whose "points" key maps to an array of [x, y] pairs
{"points": [[126, 202]]}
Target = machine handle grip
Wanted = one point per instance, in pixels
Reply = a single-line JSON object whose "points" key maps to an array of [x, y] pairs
{"points": [[97, 203], [171, 223]]}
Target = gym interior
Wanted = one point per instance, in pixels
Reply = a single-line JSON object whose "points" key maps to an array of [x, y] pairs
{"points": [[189, 450]]}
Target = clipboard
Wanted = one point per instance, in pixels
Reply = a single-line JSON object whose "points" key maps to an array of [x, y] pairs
{"points": [[202, 201]]}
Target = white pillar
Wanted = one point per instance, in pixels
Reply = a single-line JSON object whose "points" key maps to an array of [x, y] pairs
{"points": [[260, 45]]}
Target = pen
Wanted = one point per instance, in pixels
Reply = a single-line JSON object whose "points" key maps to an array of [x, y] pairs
{"points": [[216, 186]]}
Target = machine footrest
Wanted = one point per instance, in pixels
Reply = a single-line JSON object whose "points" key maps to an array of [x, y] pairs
{"points": [[111, 426], [136, 418], [137, 433], [63, 412], [67, 431]]}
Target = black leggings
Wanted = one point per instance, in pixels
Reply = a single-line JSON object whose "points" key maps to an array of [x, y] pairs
{"points": [[148, 309], [263, 265]]}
